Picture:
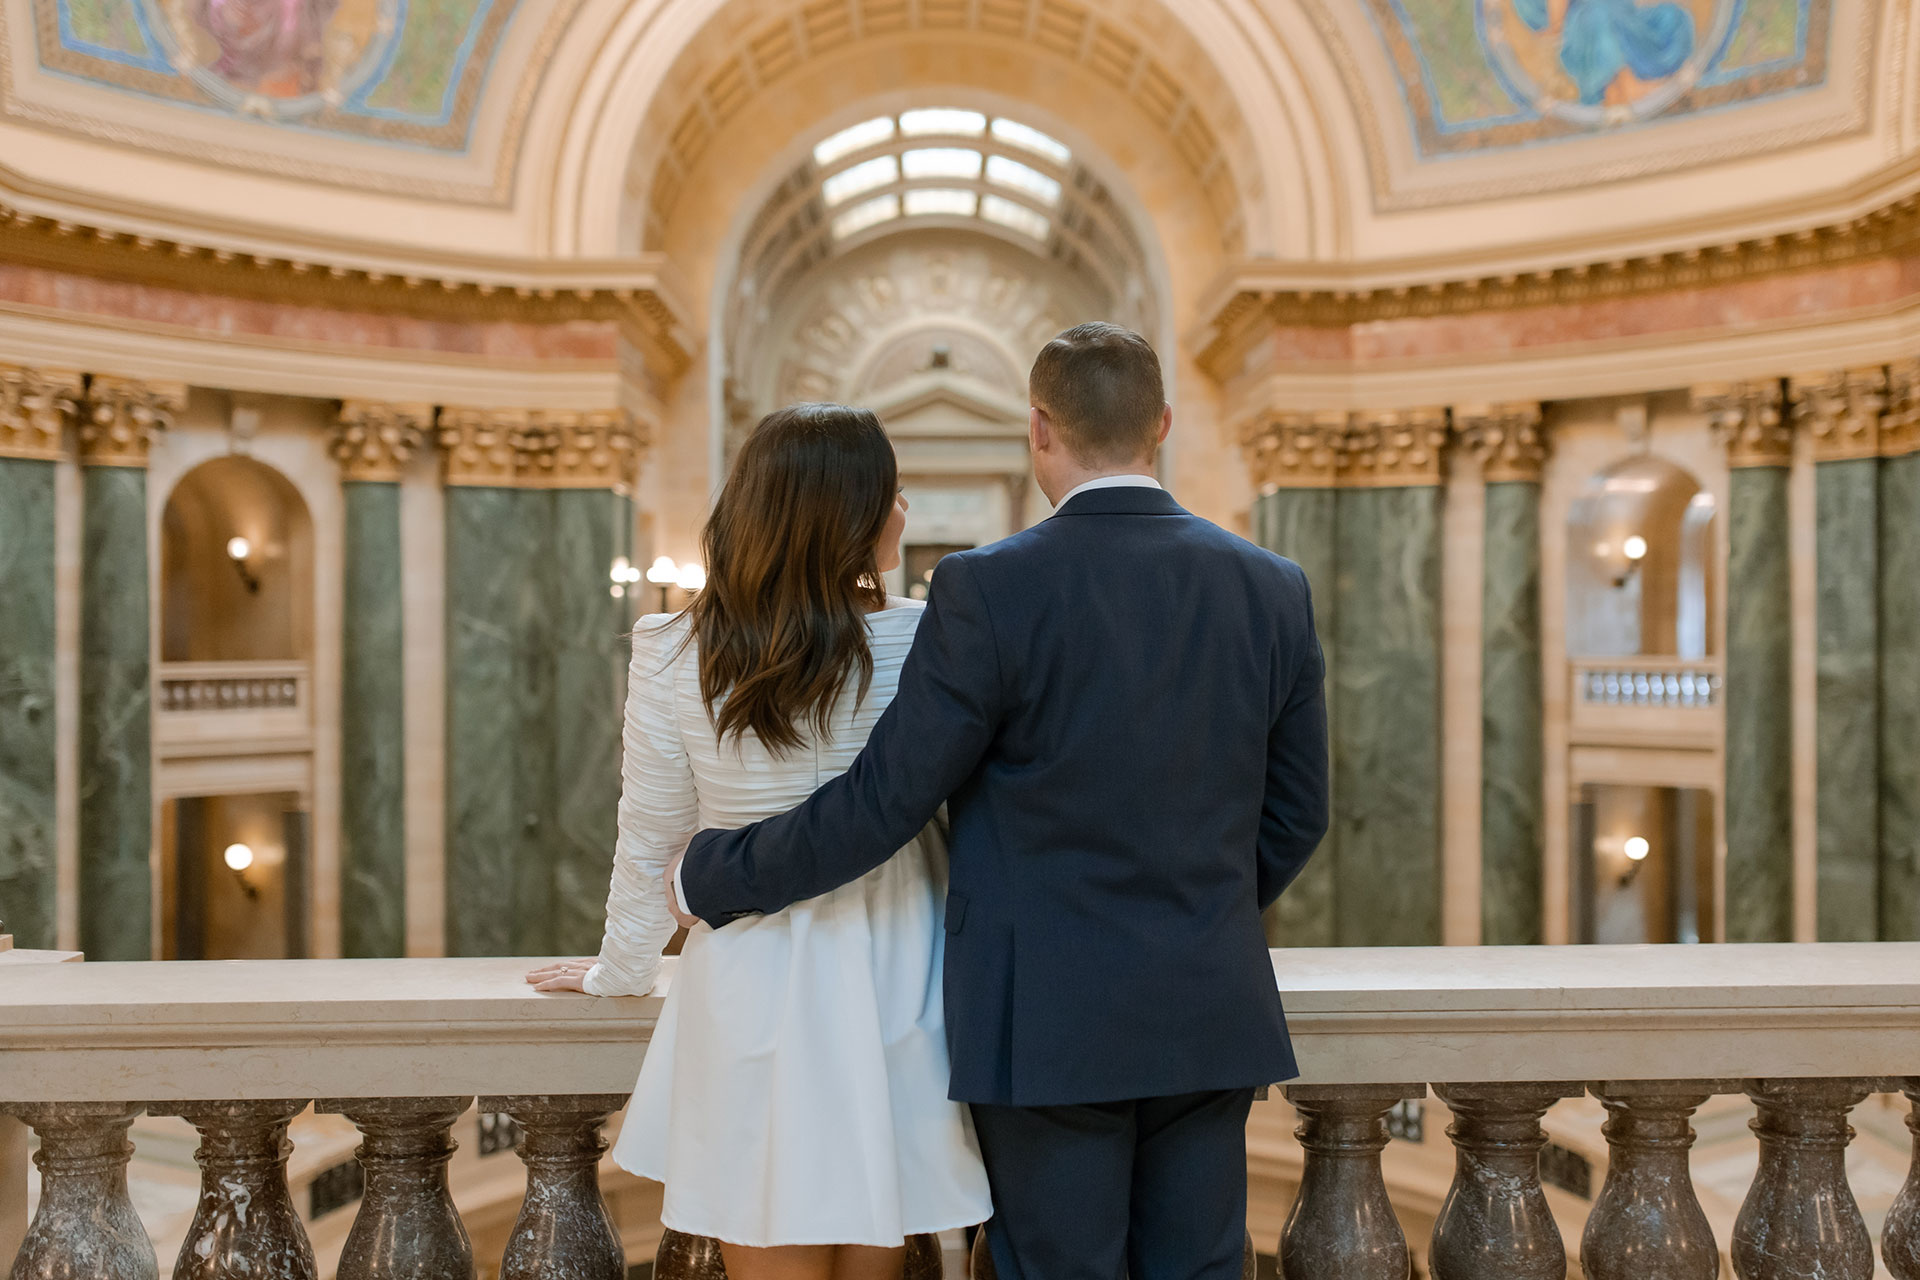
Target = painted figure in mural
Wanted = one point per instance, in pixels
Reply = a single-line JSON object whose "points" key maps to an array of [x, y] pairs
{"points": [[1606, 46], [274, 47]]}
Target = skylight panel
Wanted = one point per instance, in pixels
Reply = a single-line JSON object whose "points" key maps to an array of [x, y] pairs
{"points": [[1014, 216], [941, 201], [1029, 138], [868, 213], [1011, 173], [865, 176], [941, 162], [943, 120], [853, 138]]}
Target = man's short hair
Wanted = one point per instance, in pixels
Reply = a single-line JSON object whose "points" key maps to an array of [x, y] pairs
{"points": [[1100, 385]]}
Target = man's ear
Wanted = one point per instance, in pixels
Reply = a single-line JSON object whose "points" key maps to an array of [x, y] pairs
{"points": [[1039, 430], [1166, 424]]}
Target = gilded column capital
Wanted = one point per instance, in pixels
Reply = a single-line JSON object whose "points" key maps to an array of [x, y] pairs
{"points": [[483, 447], [1900, 429], [1840, 409], [1746, 417], [1295, 450], [122, 417], [591, 449], [35, 407], [1396, 448], [1506, 437], [374, 440]]}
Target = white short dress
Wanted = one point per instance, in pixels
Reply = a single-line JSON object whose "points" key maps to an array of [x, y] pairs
{"points": [[795, 1090]]}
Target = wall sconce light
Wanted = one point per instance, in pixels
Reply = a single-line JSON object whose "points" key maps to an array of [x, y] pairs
{"points": [[1636, 848], [1634, 548], [624, 575], [238, 549], [691, 578], [663, 573], [239, 858]]}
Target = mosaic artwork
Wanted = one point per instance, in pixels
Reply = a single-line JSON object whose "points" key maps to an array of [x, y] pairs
{"points": [[404, 71], [1480, 75]]}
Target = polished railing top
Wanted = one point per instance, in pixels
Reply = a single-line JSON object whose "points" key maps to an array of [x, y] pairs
{"points": [[261, 1029]]}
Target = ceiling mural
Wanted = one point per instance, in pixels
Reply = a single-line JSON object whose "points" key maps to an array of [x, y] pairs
{"points": [[1481, 75], [400, 71]]}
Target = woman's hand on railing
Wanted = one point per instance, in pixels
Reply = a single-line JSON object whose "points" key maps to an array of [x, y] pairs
{"points": [[561, 975]]}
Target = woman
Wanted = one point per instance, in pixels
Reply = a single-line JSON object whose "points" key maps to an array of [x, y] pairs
{"points": [[794, 1099]]}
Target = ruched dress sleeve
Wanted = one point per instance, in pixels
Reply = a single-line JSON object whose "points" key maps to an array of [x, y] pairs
{"points": [[659, 812]]}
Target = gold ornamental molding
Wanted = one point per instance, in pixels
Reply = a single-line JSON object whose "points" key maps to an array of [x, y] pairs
{"points": [[1900, 429], [1746, 417], [35, 407], [121, 417], [374, 440], [1841, 411], [1507, 438], [540, 449], [1372, 449]]}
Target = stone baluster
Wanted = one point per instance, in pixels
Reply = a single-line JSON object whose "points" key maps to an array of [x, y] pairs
{"points": [[245, 1226], [563, 1228], [407, 1227], [1799, 1219], [684, 1257], [1494, 1223], [1647, 1223], [85, 1225], [1900, 1246], [1342, 1223], [981, 1264]]}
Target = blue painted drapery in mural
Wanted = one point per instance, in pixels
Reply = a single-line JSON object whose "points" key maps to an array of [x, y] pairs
{"points": [[1601, 38]]}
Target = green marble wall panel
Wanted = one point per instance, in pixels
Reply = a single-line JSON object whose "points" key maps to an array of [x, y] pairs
{"points": [[1899, 809], [1299, 524], [1759, 752], [373, 848], [589, 683], [486, 816], [1512, 749], [26, 702], [115, 718], [1846, 708], [1386, 724]]}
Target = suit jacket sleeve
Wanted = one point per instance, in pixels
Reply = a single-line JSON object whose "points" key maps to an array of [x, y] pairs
{"points": [[927, 743], [1294, 816]]}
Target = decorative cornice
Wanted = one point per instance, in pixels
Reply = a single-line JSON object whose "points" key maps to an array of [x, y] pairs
{"points": [[1840, 410], [537, 449], [1746, 418], [1295, 450], [1372, 449], [1507, 438], [1396, 448], [123, 415], [1260, 296], [1900, 429], [374, 440], [35, 407]]}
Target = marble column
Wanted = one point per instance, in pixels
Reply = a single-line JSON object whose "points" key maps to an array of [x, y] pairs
{"points": [[373, 443], [1899, 808], [1386, 727], [592, 464], [1293, 459], [35, 409], [494, 902], [1759, 670], [1513, 800], [121, 419], [1841, 414]]}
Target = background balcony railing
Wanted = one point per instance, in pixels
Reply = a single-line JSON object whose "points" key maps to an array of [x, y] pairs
{"points": [[402, 1047], [227, 708], [1646, 701]]}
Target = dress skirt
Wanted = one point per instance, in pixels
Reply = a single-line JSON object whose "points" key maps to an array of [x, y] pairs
{"points": [[795, 1090]]}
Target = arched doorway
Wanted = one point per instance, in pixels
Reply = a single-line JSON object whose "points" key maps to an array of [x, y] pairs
{"points": [[233, 713]]}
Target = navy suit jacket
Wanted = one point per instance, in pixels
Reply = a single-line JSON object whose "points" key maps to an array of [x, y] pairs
{"points": [[1123, 708]]}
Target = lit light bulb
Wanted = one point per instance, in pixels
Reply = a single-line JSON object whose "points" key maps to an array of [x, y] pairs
{"points": [[621, 567], [1634, 548], [238, 857], [1637, 848], [692, 577], [238, 548], [663, 572]]}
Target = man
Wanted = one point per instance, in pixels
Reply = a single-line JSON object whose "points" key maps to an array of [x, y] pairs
{"points": [[1123, 708]]}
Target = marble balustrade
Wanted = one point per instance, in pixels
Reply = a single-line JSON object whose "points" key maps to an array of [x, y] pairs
{"points": [[1500, 1034]]}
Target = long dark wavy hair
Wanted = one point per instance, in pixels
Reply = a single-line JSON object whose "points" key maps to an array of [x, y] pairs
{"points": [[792, 553]]}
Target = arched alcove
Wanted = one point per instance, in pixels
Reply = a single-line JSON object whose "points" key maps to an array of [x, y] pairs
{"points": [[236, 566], [1640, 564]]}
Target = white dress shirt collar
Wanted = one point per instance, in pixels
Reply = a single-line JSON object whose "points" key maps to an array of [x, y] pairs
{"points": [[1109, 482]]}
